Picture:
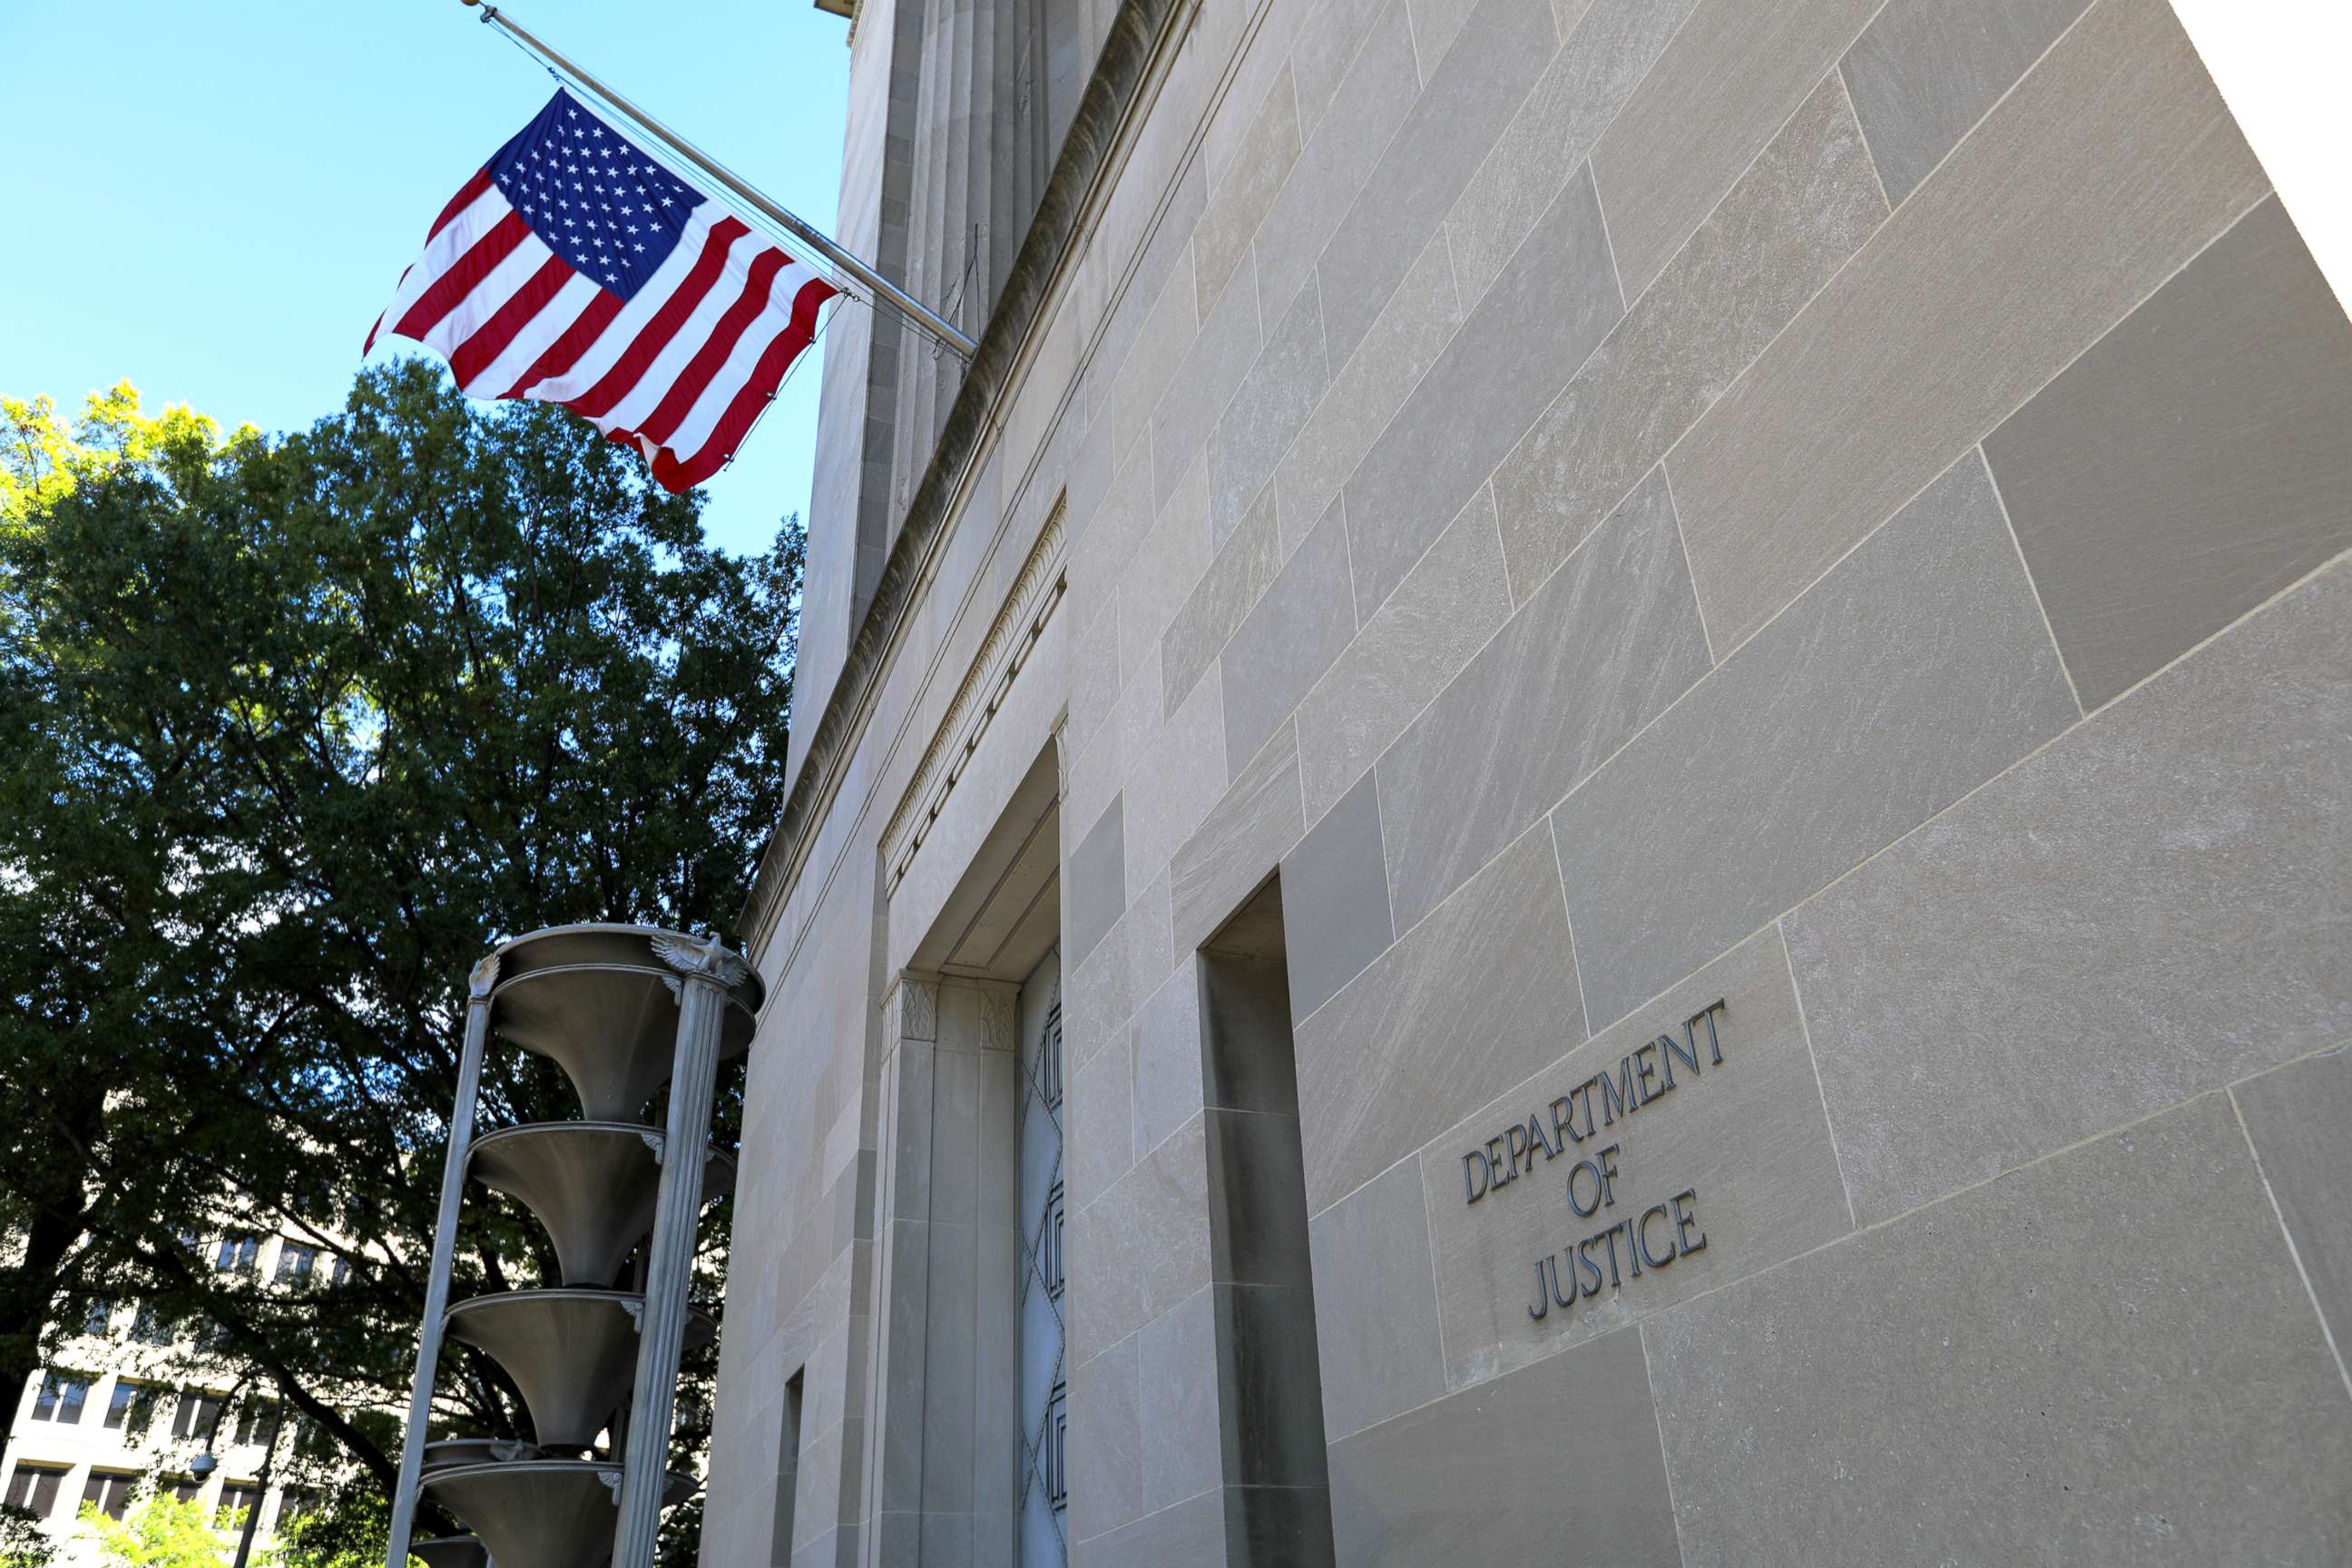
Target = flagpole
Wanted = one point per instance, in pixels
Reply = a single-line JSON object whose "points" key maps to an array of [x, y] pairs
{"points": [[914, 309]]}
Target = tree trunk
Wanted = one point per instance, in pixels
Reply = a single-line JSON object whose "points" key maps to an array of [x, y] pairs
{"points": [[29, 1294]]}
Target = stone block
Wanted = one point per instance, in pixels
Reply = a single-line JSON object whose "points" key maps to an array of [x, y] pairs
{"points": [[1375, 1305], [1288, 639], [1435, 25], [1745, 1136], [2151, 907], [1142, 1246], [1254, 1162], [2297, 1115], [1801, 209], [1271, 1419], [1098, 1138], [1551, 307], [1177, 1353], [1924, 71], [1174, 780], [944, 1405], [1335, 899], [1467, 97], [2192, 463], [1471, 1003], [1102, 993], [1267, 410], [1162, 341], [1599, 650], [1246, 188], [1243, 571], [1168, 562], [1442, 1486], [1914, 672], [1446, 608], [2108, 167], [1343, 146], [1189, 1534], [1168, 1075], [1220, 356], [1099, 554], [1245, 836], [1098, 894], [1367, 389], [1325, 48], [1721, 89], [2088, 1361], [1606, 48], [1106, 1441]]}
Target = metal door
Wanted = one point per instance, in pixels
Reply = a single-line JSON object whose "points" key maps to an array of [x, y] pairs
{"points": [[1043, 1491]]}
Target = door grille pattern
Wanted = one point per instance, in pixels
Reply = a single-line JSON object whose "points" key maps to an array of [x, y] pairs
{"points": [[1043, 1492]]}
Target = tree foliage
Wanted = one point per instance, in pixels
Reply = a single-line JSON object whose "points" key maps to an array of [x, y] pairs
{"points": [[43, 458], [158, 1531], [22, 1542], [293, 731]]}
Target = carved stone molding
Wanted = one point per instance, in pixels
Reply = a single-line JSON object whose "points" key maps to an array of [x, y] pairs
{"points": [[484, 976], [1003, 654], [708, 958], [913, 1008]]}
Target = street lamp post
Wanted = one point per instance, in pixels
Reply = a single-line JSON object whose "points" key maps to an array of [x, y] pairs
{"points": [[261, 1487]]}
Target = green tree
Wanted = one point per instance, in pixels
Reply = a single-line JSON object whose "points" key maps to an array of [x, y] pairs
{"points": [[160, 1531], [293, 731], [22, 1542], [43, 458]]}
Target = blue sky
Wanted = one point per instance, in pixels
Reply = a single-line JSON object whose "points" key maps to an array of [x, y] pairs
{"points": [[219, 198]]}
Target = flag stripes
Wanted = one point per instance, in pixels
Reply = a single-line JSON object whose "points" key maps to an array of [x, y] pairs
{"points": [[573, 269]]}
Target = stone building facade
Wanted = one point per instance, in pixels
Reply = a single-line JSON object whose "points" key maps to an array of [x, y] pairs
{"points": [[1589, 803]]}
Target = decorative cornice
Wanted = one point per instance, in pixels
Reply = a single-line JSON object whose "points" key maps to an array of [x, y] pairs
{"points": [[706, 959], [1141, 32], [1003, 654]]}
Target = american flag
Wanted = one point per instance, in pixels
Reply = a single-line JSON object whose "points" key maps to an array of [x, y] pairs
{"points": [[572, 269]]}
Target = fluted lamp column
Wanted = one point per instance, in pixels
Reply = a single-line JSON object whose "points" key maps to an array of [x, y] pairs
{"points": [[708, 970], [478, 986]]}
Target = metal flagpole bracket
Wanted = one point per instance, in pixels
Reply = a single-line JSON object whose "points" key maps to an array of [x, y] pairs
{"points": [[920, 315]]}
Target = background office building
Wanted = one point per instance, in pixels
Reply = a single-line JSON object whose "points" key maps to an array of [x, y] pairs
{"points": [[1589, 803], [131, 1405]]}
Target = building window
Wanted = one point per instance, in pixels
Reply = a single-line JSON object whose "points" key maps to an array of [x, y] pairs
{"points": [[184, 1488], [254, 1419], [197, 1415], [293, 1503], [129, 1408], [235, 1499], [294, 1264], [343, 1273], [35, 1488], [237, 1254], [148, 1326], [311, 1440], [97, 1317], [107, 1492], [60, 1398]]}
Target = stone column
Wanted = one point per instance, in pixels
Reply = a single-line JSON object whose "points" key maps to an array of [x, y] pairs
{"points": [[709, 970], [444, 1246]]}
